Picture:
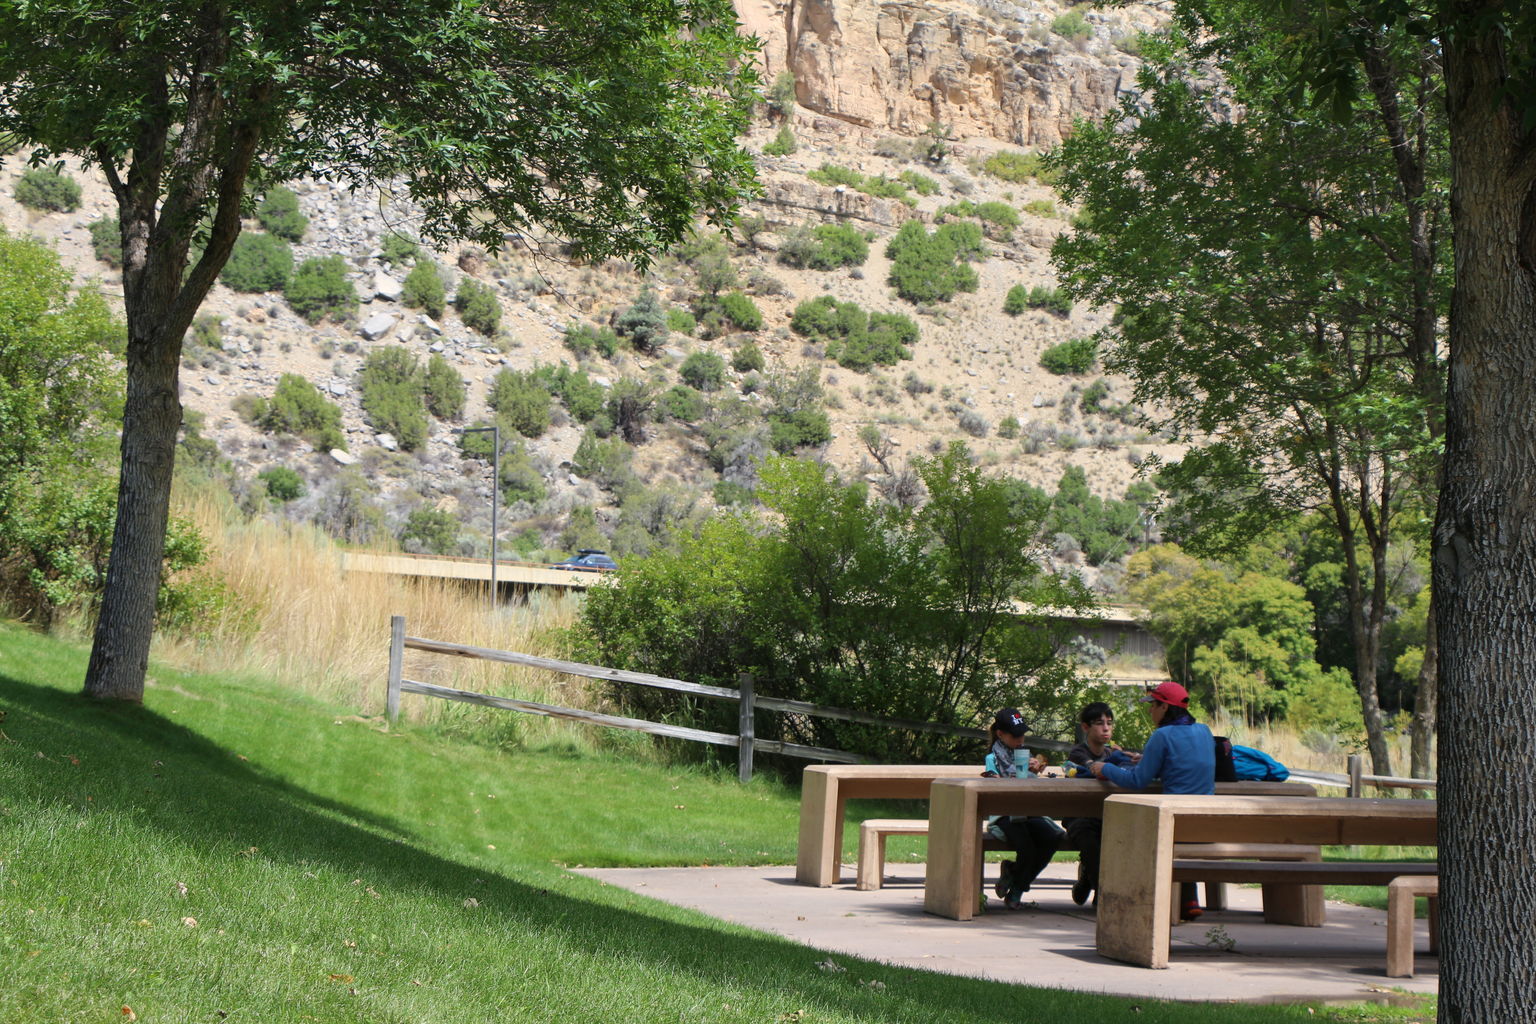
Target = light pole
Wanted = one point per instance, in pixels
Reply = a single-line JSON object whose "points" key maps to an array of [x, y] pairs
{"points": [[495, 432]]}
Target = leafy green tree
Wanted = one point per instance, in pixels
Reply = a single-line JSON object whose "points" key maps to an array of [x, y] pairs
{"points": [[829, 598], [797, 416], [320, 289], [928, 267], [258, 263], [182, 103], [1277, 295], [629, 407], [681, 403], [603, 460], [392, 400], [1103, 529], [59, 404], [42, 188], [279, 214], [424, 288], [431, 529], [297, 407], [1070, 358], [521, 401]]}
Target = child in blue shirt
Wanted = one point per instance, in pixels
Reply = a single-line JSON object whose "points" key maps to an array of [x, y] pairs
{"points": [[1035, 840]]}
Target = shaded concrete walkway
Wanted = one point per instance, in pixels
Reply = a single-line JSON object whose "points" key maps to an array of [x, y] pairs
{"points": [[1050, 943]]}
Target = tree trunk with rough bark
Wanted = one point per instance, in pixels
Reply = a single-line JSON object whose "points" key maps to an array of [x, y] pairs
{"points": [[1485, 538]]}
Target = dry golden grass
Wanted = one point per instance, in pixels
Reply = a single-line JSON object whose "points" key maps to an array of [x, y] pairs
{"points": [[296, 617]]}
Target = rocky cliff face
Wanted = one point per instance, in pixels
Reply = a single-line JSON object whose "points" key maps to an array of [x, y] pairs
{"points": [[996, 70]]}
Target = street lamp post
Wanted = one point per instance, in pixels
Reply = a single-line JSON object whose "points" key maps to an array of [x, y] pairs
{"points": [[495, 432]]}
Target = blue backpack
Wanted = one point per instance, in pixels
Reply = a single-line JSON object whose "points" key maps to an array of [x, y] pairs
{"points": [[1256, 766]]}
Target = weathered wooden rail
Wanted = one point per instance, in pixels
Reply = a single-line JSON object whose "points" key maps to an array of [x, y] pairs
{"points": [[745, 740]]}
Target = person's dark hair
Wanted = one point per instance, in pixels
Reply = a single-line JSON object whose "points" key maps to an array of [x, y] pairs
{"points": [[1095, 711], [1175, 716]]}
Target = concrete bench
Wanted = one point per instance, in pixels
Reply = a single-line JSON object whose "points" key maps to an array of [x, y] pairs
{"points": [[874, 832], [1401, 892]]}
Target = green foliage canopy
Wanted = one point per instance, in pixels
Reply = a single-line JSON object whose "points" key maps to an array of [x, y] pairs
{"points": [[826, 597]]}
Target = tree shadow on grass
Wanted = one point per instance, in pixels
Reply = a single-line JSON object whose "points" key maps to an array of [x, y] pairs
{"points": [[217, 801]]}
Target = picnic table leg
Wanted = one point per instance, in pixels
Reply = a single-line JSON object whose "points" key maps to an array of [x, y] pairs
{"points": [[818, 857], [1295, 904], [1135, 884], [954, 853]]}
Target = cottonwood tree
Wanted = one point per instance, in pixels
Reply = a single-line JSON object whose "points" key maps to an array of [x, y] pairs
{"points": [[609, 124], [1485, 535], [1278, 285]]}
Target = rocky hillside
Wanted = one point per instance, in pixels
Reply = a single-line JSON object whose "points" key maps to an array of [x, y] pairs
{"points": [[880, 89]]}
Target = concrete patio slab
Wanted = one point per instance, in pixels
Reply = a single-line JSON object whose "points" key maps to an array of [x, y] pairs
{"points": [[1226, 956]]}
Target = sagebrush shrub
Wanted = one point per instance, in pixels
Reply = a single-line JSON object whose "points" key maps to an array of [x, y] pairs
{"points": [[41, 188], [107, 241], [747, 358], [320, 289], [1070, 357], [258, 263], [443, 388], [704, 371], [521, 401], [282, 483], [298, 407]]}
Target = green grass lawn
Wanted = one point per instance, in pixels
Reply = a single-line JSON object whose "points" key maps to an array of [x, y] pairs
{"points": [[233, 852]]}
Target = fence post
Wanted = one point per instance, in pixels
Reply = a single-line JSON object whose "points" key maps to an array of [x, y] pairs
{"points": [[1356, 769], [396, 664], [747, 729]]}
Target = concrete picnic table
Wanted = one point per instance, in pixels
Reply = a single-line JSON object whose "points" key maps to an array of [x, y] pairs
{"points": [[1140, 830], [956, 808]]}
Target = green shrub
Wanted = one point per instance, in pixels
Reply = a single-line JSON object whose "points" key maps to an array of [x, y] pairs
{"points": [[825, 247], [704, 371], [1070, 357], [443, 388], [747, 358], [1052, 300], [783, 143], [926, 267], [1018, 168], [681, 321], [604, 461], [920, 183], [478, 306], [424, 289], [41, 188], [683, 404], [781, 96], [1071, 25], [320, 289], [1008, 427], [521, 401], [392, 395], [729, 492], [741, 311], [583, 340], [835, 174], [583, 398], [432, 530], [258, 263], [282, 483], [279, 214], [107, 241], [297, 407], [398, 249], [521, 480], [1016, 301], [1092, 401], [1040, 208], [998, 213], [879, 185]]}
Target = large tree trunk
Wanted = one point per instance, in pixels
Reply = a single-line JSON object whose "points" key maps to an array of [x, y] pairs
{"points": [[1485, 540], [1425, 704]]}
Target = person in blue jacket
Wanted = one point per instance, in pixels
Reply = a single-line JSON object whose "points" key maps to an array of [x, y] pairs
{"points": [[1181, 752]]}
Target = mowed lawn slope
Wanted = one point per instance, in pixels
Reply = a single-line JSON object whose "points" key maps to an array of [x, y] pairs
{"points": [[233, 852]]}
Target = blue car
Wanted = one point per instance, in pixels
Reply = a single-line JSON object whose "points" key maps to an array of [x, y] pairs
{"points": [[587, 560]]}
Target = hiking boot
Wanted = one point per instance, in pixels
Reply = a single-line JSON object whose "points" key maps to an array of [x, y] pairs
{"points": [[1081, 890], [1004, 880]]}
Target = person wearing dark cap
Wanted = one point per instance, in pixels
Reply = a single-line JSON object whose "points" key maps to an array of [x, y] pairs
{"points": [[1035, 840], [1181, 752]]}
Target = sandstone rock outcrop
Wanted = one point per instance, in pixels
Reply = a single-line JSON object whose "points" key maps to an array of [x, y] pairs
{"points": [[983, 69]]}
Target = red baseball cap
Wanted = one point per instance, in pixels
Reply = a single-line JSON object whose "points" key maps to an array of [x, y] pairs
{"points": [[1168, 693]]}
